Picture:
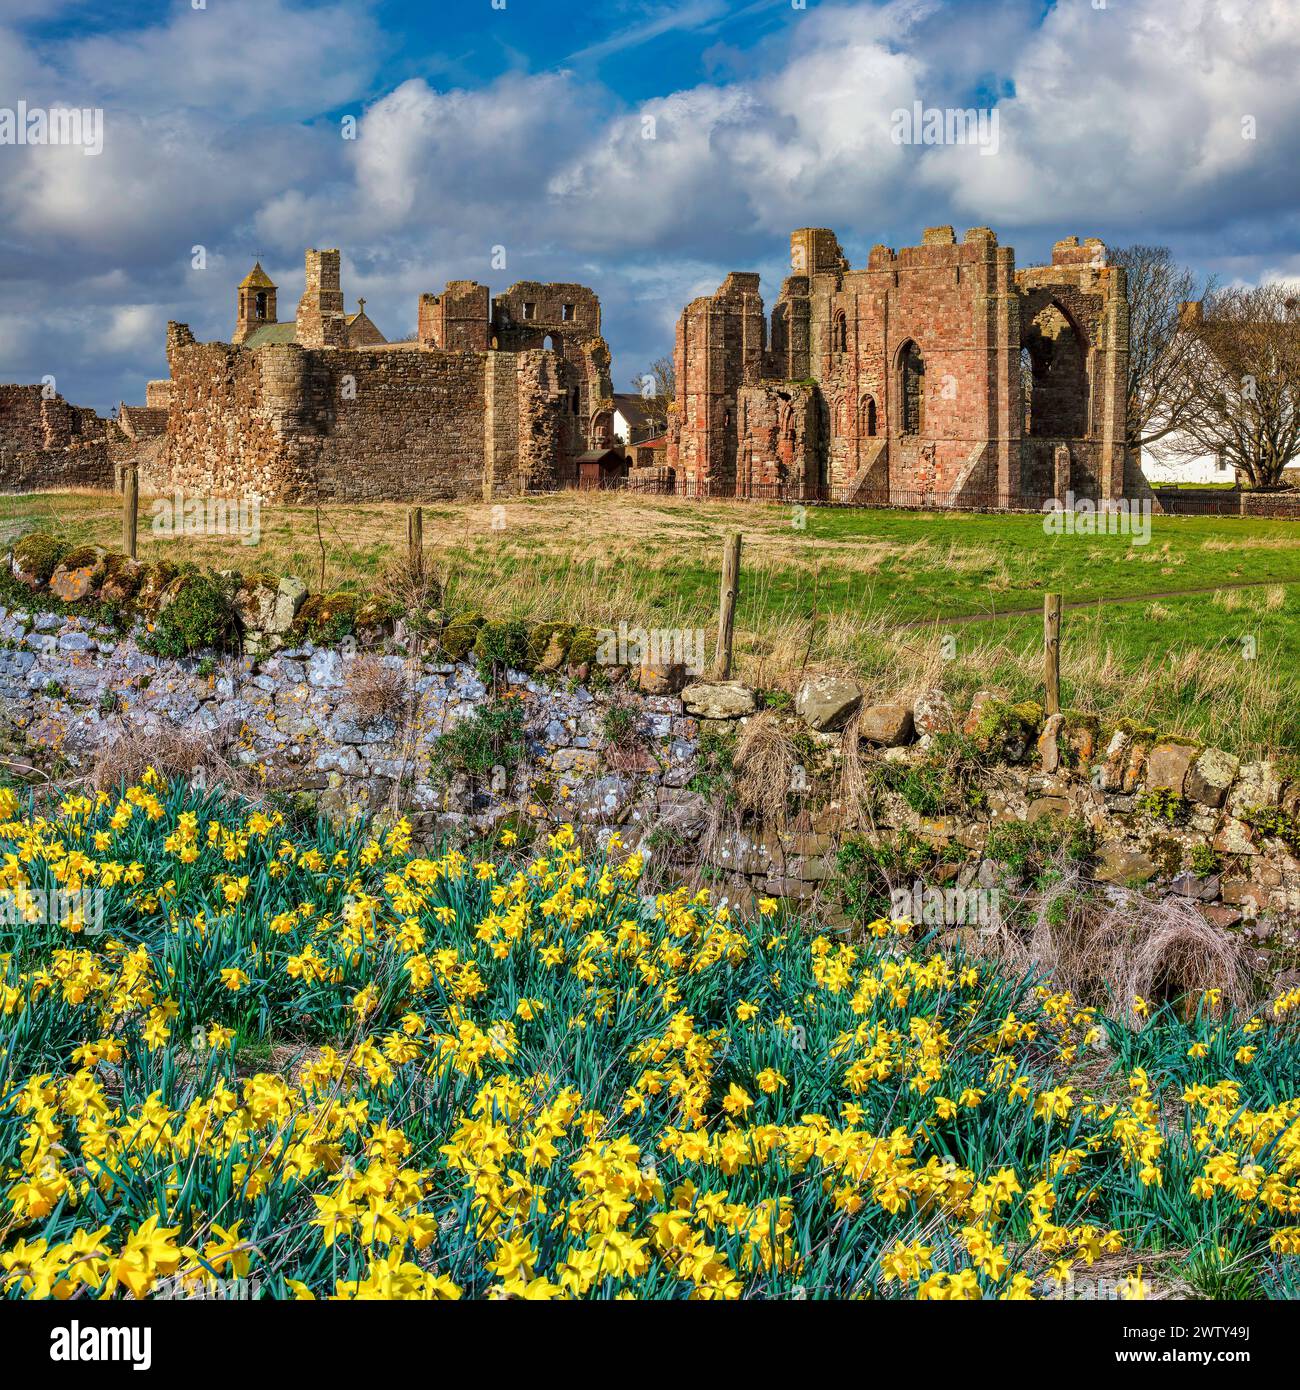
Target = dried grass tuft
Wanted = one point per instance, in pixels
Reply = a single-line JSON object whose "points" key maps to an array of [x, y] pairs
{"points": [[206, 759], [763, 771], [375, 690], [1110, 948]]}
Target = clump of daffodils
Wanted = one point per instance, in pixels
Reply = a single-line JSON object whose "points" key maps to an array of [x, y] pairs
{"points": [[336, 1067]]}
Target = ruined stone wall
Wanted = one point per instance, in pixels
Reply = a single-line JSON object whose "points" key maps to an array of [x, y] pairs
{"points": [[386, 423], [720, 347], [778, 427], [953, 302], [47, 443], [1225, 849], [1074, 328], [458, 319], [917, 363], [231, 411]]}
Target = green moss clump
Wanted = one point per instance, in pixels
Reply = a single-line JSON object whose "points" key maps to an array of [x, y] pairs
{"points": [[1179, 741], [375, 612], [199, 613], [460, 634], [1001, 723], [82, 557], [539, 642], [124, 573], [582, 650], [38, 555], [327, 618]]}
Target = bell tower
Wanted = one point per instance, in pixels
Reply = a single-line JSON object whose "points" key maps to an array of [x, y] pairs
{"points": [[256, 305]]}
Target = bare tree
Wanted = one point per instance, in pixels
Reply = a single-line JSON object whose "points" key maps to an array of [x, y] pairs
{"points": [[1243, 378], [657, 387], [1159, 385]]}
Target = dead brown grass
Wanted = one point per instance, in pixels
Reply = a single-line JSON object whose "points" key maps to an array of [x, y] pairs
{"points": [[763, 767], [1112, 947], [375, 690], [204, 759]]}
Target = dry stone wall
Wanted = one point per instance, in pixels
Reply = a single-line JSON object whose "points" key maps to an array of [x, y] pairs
{"points": [[1169, 818]]}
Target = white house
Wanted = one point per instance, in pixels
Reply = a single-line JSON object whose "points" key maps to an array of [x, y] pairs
{"points": [[1167, 462]]}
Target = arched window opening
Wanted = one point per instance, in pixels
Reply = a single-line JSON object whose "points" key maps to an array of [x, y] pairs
{"points": [[1054, 376], [867, 417], [912, 389], [840, 333]]}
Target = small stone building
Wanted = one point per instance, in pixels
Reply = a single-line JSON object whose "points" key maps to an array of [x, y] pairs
{"points": [[493, 397], [939, 374]]}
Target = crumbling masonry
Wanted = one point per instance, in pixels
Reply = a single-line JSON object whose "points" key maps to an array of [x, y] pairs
{"points": [[493, 397], [939, 373]]}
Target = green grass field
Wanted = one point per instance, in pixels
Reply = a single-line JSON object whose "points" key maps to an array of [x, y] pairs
{"points": [[1199, 629]]}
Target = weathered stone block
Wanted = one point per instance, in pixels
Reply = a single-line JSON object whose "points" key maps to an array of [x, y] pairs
{"points": [[1211, 776], [1167, 766], [719, 700], [826, 702], [890, 726]]}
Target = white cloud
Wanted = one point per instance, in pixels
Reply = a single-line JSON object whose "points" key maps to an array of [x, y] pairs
{"points": [[243, 58]]}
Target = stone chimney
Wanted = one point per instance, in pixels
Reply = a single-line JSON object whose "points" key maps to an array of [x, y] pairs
{"points": [[321, 320]]}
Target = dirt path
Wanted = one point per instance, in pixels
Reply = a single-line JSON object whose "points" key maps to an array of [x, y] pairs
{"points": [[1091, 603]]}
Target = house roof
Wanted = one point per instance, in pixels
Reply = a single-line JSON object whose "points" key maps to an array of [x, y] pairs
{"points": [[658, 442], [631, 407], [600, 456], [273, 333], [257, 279], [142, 421]]}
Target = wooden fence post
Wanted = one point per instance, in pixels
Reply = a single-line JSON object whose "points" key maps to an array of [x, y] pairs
{"points": [[1052, 651], [727, 605], [415, 539], [130, 508]]}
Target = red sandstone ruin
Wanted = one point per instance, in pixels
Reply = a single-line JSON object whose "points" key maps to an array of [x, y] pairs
{"points": [[937, 374]]}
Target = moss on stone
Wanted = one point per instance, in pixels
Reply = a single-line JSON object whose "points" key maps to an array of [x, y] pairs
{"points": [[539, 642], [458, 637], [582, 650], [327, 618], [82, 557], [38, 555], [1000, 723], [1179, 741]]}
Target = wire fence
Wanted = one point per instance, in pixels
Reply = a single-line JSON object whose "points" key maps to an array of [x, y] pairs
{"points": [[1221, 502]]}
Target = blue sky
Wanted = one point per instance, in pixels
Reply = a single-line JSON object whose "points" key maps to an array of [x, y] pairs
{"points": [[523, 127]]}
